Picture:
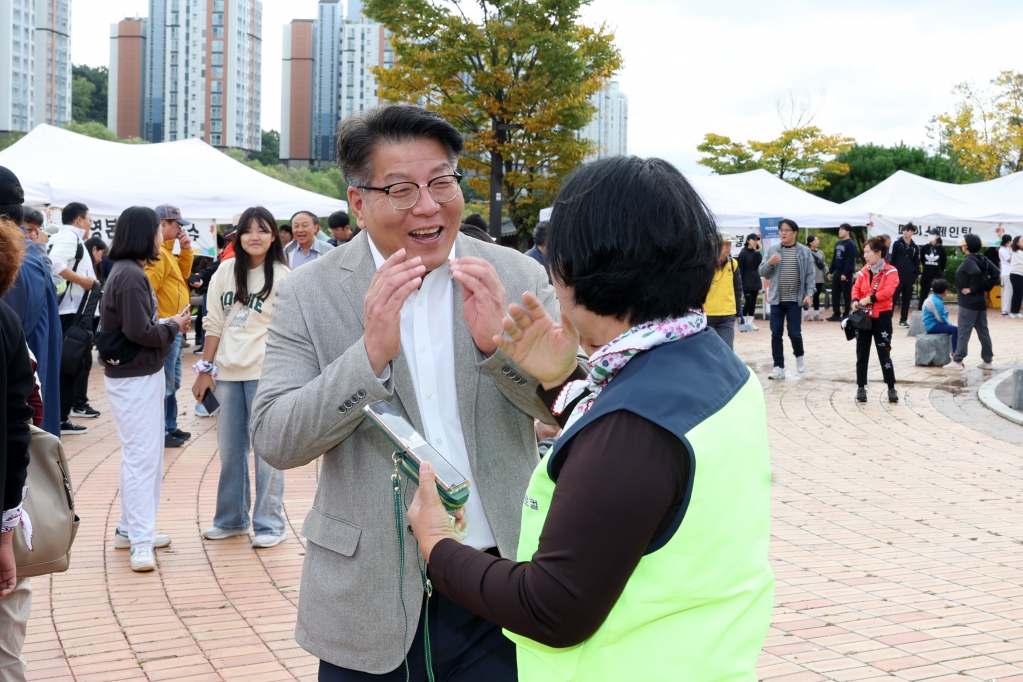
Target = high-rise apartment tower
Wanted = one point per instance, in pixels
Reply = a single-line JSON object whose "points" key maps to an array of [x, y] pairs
{"points": [[35, 63]]}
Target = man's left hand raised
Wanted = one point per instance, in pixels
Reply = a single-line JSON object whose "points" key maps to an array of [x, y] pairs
{"points": [[483, 300]]}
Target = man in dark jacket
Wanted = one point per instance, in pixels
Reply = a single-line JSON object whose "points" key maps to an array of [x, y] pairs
{"points": [[843, 265], [906, 259], [976, 276], [934, 259]]}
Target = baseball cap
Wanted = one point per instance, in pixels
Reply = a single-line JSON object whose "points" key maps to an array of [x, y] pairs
{"points": [[934, 230], [8, 181], [725, 237], [752, 235], [168, 212]]}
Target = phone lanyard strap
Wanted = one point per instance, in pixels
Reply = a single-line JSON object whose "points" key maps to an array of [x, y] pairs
{"points": [[399, 508]]}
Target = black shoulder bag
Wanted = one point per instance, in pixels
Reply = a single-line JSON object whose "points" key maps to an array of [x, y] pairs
{"points": [[77, 340], [860, 318]]}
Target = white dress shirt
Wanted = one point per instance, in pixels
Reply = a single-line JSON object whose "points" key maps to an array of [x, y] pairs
{"points": [[428, 339], [63, 247]]}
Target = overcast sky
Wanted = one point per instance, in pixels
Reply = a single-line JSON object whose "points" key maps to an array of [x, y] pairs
{"points": [[885, 67]]}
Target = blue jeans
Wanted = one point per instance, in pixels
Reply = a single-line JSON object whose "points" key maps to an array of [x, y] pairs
{"points": [[233, 497], [172, 377], [793, 313], [945, 328]]}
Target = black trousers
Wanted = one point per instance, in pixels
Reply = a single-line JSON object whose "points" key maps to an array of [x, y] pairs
{"points": [[749, 302], [905, 291], [465, 647], [817, 296], [930, 274], [841, 296], [1017, 293], [73, 390], [879, 335]]}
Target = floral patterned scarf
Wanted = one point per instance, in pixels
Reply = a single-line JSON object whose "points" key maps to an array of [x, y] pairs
{"points": [[609, 360]]}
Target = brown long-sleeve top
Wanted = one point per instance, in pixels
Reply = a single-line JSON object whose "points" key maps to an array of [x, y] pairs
{"points": [[621, 483]]}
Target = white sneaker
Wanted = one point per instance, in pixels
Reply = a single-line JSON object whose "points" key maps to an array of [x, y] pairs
{"points": [[801, 363], [121, 540], [264, 540], [816, 317], [777, 373], [955, 364], [986, 365], [214, 533], [142, 557]]}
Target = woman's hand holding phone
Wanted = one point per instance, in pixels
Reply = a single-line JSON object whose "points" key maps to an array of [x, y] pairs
{"points": [[183, 319], [203, 382], [429, 519]]}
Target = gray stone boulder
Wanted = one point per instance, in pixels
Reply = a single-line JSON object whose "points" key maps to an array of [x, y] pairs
{"points": [[916, 323], [1017, 388], [933, 350]]}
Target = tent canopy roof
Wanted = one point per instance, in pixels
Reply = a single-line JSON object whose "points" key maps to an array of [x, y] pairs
{"points": [[911, 197], [739, 201], [57, 166]]}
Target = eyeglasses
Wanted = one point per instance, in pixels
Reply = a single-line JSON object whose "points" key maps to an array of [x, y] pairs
{"points": [[404, 195]]}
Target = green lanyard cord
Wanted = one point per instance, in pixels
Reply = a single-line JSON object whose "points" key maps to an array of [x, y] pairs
{"points": [[399, 508]]}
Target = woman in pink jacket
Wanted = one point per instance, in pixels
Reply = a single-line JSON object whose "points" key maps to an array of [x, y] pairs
{"points": [[873, 292]]}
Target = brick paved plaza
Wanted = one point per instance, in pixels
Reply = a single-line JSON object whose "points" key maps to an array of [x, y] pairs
{"points": [[897, 540]]}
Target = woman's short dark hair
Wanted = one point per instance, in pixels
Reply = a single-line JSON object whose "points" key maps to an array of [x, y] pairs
{"points": [[95, 242], [135, 235], [939, 286], [73, 212], [1006, 239], [633, 239], [973, 243], [34, 217], [358, 135], [788, 221], [811, 239], [1016, 243], [877, 245], [253, 217], [476, 220], [285, 228]]}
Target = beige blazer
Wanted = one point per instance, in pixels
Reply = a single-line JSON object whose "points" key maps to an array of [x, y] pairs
{"points": [[349, 611]]}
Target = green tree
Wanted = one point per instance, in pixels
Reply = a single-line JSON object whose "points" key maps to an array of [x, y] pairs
{"points": [[89, 104], [100, 132], [270, 154], [325, 180], [984, 133], [871, 164], [528, 63], [802, 156]]}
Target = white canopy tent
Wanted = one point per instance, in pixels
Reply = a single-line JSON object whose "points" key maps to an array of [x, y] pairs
{"points": [[987, 209], [56, 167], [739, 201]]}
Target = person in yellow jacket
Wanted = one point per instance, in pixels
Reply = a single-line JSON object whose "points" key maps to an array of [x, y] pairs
{"points": [[724, 301], [169, 276]]}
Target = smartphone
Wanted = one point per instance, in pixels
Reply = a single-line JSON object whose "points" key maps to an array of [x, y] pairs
{"points": [[407, 439], [210, 402]]}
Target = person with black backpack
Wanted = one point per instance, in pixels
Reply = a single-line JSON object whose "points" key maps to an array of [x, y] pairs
{"points": [[975, 277], [71, 260]]}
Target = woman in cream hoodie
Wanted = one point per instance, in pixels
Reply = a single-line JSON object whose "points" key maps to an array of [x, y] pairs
{"points": [[240, 300]]}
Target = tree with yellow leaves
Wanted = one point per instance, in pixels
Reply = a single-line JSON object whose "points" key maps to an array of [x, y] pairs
{"points": [[516, 82], [984, 133], [802, 156]]}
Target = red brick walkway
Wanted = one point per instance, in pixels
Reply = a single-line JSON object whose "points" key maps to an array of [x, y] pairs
{"points": [[897, 543]]}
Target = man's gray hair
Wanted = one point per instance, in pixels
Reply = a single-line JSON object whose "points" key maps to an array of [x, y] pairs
{"points": [[358, 135]]}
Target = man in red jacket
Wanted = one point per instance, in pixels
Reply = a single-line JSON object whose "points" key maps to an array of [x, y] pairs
{"points": [[873, 293]]}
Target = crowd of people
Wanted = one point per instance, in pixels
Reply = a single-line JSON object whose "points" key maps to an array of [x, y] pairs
{"points": [[615, 355]]}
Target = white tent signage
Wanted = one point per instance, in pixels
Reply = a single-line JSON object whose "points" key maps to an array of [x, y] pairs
{"points": [[57, 167]]}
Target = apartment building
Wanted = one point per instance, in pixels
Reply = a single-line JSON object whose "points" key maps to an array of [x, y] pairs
{"points": [[609, 129], [35, 63], [328, 79], [200, 74]]}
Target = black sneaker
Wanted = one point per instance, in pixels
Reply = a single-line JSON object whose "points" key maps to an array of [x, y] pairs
{"points": [[861, 395], [179, 434], [833, 318], [893, 395], [70, 428], [170, 441], [84, 412]]}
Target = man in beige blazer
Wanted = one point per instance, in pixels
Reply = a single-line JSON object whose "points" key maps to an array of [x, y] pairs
{"points": [[406, 312]]}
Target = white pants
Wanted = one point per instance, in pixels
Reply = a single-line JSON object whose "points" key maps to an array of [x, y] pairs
{"points": [[137, 404], [1006, 294], [14, 610]]}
